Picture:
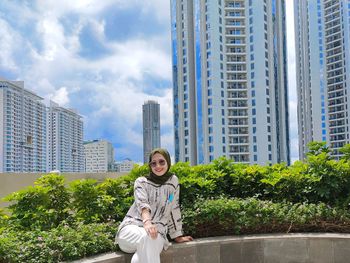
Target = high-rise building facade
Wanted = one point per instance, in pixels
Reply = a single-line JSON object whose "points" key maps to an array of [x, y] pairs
{"points": [[124, 166], [65, 140], [230, 80], [322, 33], [99, 156], [151, 128], [22, 129]]}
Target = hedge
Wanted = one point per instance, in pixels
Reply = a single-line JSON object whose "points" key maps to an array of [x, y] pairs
{"points": [[53, 221]]}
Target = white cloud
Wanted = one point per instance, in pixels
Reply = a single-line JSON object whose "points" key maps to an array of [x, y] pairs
{"points": [[61, 97], [85, 7], [160, 8], [9, 38], [135, 58]]}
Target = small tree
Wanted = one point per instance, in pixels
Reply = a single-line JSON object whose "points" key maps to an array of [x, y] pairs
{"points": [[43, 206], [346, 151]]}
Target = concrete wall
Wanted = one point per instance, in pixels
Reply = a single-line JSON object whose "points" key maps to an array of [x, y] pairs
{"points": [[12, 182], [279, 248]]}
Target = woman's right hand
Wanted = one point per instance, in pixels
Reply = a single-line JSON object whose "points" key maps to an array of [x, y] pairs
{"points": [[151, 229]]}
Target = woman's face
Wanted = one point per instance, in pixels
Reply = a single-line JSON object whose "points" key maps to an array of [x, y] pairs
{"points": [[158, 164]]}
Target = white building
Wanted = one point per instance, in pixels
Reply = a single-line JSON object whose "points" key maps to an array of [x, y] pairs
{"points": [[99, 156], [22, 129], [151, 128], [65, 140], [322, 30], [230, 80], [124, 166]]}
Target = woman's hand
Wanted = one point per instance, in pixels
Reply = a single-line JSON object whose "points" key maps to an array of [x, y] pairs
{"points": [[183, 239], [151, 229]]}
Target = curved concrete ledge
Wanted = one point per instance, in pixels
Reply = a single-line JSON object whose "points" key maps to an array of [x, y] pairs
{"points": [[274, 248]]}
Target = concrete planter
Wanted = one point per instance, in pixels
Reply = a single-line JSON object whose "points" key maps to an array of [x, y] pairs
{"points": [[274, 248]]}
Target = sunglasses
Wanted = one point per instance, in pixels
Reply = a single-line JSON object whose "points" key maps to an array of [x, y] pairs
{"points": [[161, 162]]}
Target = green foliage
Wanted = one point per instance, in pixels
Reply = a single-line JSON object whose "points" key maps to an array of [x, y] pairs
{"points": [[345, 150], [51, 222], [58, 244], [245, 216], [89, 201], [317, 148], [43, 206]]}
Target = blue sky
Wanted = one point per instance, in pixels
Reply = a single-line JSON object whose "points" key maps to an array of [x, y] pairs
{"points": [[103, 58]]}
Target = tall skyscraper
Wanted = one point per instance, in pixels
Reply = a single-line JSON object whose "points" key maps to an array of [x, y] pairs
{"points": [[322, 32], [65, 140], [99, 156], [230, 80], [151, 128], [22, 129]]}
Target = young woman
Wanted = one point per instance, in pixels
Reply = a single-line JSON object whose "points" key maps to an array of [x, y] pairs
{"points": [[154, 214]]}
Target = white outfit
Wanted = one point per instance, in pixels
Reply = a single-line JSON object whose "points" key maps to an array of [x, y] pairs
{"points": [[132, 238], [163, 203]]}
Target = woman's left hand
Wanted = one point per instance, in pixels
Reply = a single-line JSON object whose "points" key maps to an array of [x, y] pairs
{"points": [[183, 239]]}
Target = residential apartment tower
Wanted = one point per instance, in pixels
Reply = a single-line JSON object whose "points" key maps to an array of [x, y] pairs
{"points": [[322, 32], [22, 129], [230, 80], [65, 140]]}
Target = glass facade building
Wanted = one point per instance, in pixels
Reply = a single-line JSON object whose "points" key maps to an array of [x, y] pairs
{"points": [[151, 127], [230, 80], [322, 63]]}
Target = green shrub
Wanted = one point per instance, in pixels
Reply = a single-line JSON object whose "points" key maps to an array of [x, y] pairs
{"points": [[51, 222], [57, 245], [246, 216], [89, 201], [43, 206]]}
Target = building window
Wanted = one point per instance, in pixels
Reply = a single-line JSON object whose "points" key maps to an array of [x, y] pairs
{"points": [[29, 140]]}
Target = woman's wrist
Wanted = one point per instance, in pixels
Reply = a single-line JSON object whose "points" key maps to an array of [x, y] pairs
{"points": [[144, 221]]}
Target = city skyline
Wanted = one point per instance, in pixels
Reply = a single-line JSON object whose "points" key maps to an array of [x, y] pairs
{"points": [[105, 60]]}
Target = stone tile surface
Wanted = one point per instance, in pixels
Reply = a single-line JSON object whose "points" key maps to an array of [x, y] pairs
{"points": [[184, 254], [167, 256], [252, 251], [230, 252], [341, 250], [293, 250], [208, 253], [321, 251]]}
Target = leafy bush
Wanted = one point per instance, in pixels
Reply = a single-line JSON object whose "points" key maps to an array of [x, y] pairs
{"points": [[246, 216], [58, 244], [89, 201], [43, 206], [51, 221]]}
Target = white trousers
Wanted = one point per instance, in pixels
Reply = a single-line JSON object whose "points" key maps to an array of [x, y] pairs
{"points": [[134, 239]]}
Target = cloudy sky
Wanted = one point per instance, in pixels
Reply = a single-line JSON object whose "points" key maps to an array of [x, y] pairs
{"points": [[103, 58]]}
